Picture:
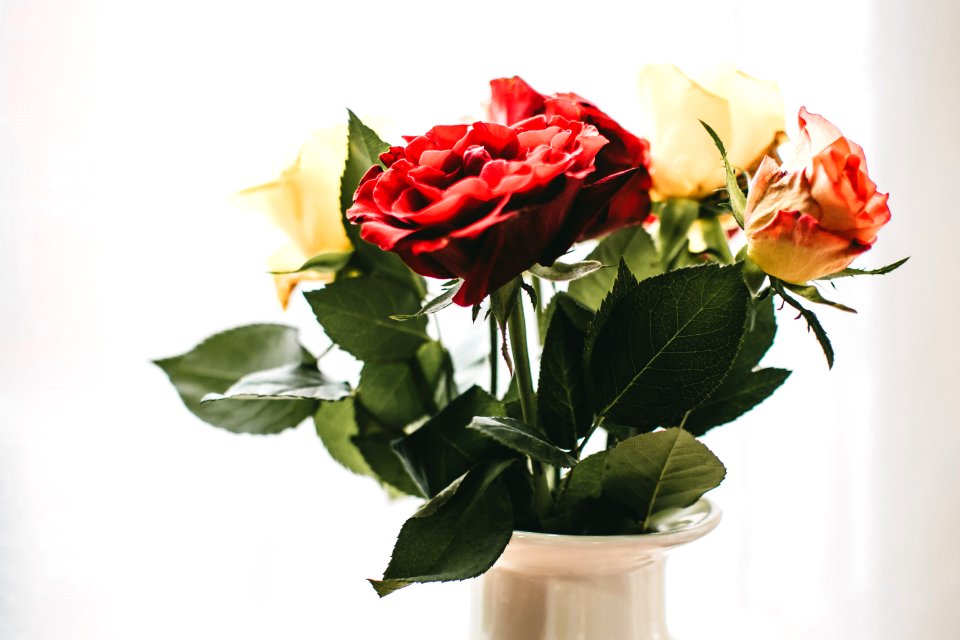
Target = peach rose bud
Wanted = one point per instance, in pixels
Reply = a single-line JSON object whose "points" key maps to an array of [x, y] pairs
{"points": [[815, 214]]}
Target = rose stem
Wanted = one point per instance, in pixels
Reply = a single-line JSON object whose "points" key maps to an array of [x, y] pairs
{"points": [[494, 355], [517, 330]]}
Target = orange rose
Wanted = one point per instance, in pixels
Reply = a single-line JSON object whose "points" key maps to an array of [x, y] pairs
{"points": [[815, 214]]}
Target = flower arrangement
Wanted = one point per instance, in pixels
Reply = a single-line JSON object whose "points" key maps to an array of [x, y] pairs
{"points": [[651, 339]]}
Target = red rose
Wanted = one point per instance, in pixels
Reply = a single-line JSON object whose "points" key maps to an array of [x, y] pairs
{"points": [[513, 100], [484, 202]]}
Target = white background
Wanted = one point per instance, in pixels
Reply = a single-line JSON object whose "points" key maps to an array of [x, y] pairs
{"points": [[126, 126]]}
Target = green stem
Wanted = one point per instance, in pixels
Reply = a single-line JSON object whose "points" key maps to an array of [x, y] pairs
{"points": [[517, 330], [494, 355]]}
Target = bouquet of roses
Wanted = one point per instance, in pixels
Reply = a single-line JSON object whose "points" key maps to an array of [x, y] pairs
{"points": [[649, 339]]}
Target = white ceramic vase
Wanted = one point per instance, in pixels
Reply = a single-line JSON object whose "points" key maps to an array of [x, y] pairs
{"points": [[557, 587]]}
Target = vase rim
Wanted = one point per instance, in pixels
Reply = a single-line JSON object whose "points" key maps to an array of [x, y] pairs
{"points": [[676, 527]]}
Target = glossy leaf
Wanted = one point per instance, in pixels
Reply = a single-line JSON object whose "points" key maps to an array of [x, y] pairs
{"points": [[761, 329], [289, 382], [738, 201], [661, 348], [459, 534], [355, 314], [443, 448], [634, 246], [584, 482], [398, 393], [849, 272], [564, 272], [329, 262], [390, 392], [736, 396], [661, 470], [220, 361], [439, 303], [813, 294], [676, 215], [379, 453], [562, 394], [364, 149], [522, 439], [336, 426]]}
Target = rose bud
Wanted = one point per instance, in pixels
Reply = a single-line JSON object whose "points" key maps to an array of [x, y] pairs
{"points": [[304, 202], [815, 214], [746, 113], [513, 100], [482, 202]]}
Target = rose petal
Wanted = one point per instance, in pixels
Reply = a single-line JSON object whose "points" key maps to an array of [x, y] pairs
{"points": [[756, 112], [684, 160], [513, 100], [795, 248]]}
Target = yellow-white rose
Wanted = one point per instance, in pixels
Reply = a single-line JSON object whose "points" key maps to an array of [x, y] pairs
{"points": [[746, 113], [304, 202]]}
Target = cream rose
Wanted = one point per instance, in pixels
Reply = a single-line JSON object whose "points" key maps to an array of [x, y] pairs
{"points": [[304, 202], [815, 214], [746, 113]]}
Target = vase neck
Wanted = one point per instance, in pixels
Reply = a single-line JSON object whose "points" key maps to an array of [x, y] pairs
{"points": [[601, 604]]}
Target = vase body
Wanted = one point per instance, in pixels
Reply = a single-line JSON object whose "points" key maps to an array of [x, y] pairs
{"points": [[558, 587]]}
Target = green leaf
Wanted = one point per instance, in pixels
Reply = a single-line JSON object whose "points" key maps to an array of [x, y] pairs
{"points": [[355, 313], [663, 347], [676, 215], [584, 482], [377, 450], [576, 311], [738, 201], [398, 393], [220, 361], [846, 273], [563, 272], [390, 392], [523, 439], [758, 338], [581, 507], [457, 535], [661, 470], [622, 287], [442, 301], [812, 294], [443, 448], [562, 395], [634, 246], [813, 323], [502, 303], [329, 262], [435, 375], [337, 426], [364, 149], [736, 396], [363, 152], [715, 237], [289, 382]]}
